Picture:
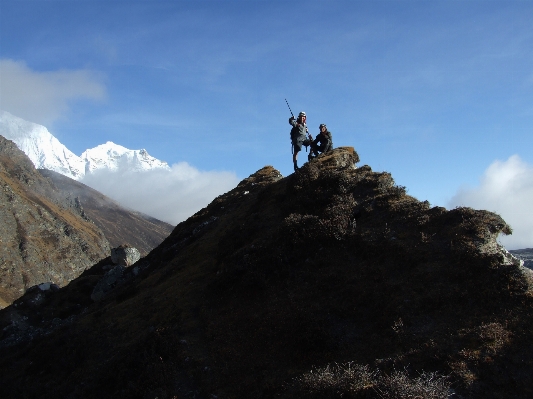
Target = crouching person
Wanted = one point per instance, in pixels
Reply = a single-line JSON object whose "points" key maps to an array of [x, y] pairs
{"points": [[322, 143]]}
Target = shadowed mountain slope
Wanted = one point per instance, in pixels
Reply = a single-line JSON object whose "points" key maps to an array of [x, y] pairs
{"points": [[120, 225], [43, 237], [331, 282]]}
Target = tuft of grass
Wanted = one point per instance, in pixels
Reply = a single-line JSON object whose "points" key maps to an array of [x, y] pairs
{"points": [[335, 380], [349, 380], [398, 385]]}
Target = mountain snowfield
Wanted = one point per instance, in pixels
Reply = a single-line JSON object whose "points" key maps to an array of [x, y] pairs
{"points": [[113, 157], [47, 152]]}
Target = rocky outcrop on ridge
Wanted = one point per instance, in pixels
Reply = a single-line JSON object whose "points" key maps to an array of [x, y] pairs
{"points": [[125, 255], [331, 282], [44, 238]]}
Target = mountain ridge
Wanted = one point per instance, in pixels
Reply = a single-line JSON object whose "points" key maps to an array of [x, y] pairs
{"points": [[274, 283]]}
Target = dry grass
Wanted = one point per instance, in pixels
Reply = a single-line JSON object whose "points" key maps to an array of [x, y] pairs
{"points": [[354, 380], [336, 380]]}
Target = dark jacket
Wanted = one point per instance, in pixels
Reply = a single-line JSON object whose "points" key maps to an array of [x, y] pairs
{"points": [[323, 142], [298, 131]]}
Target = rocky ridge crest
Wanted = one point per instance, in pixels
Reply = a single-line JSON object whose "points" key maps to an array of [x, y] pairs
{"points": [[331, 282]]}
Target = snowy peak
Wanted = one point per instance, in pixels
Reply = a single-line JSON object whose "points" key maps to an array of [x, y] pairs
{"points": [[112, 156], [46, 152]]}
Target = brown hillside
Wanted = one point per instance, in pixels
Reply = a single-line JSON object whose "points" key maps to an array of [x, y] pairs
{"points": [[42, 238], [120, 225], [329, 283]]}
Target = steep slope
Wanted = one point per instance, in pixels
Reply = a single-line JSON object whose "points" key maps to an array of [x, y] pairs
{"points": [[120, 225], [43, 236], [331, 282]]}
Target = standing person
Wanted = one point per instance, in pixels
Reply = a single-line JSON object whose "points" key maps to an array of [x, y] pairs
{"points": [[322, 143], [298, 136]]}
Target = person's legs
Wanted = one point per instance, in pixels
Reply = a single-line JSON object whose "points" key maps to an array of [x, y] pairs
{"points": [[312, 150], [297, 148], [295, 160], [320, 149]]}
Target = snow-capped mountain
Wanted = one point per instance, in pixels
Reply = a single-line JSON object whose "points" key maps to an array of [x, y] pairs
{"points": [[114, 157], [46, 152]]}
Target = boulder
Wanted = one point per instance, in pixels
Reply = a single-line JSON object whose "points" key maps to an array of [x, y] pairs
{"points": [[125, 255], [339, 158], [122, 257]]}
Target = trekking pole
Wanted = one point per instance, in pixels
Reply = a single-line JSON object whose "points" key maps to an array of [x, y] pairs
{"points": [[289, 107], [292, 145]]}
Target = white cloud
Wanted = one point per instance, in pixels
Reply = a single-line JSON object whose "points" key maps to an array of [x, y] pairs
{"points": [[42, 97], [171, 196], [506, 188]]}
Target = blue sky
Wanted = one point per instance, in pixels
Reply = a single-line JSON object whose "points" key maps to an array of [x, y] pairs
{"points": [[439, 93]]}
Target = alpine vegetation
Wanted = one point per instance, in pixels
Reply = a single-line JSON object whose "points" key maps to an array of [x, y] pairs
{"points": [[332, 282]]}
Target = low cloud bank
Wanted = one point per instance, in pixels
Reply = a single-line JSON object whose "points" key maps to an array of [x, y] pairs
{"points": [[171, 196], [506, 188], [43, 97]]}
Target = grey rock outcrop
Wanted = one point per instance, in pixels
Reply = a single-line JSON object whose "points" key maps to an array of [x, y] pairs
{"points": [[344, 157], [125, 256]]}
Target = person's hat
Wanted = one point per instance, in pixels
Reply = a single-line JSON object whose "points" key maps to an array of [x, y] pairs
{"points": [[302, 114], [322, 125]]}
